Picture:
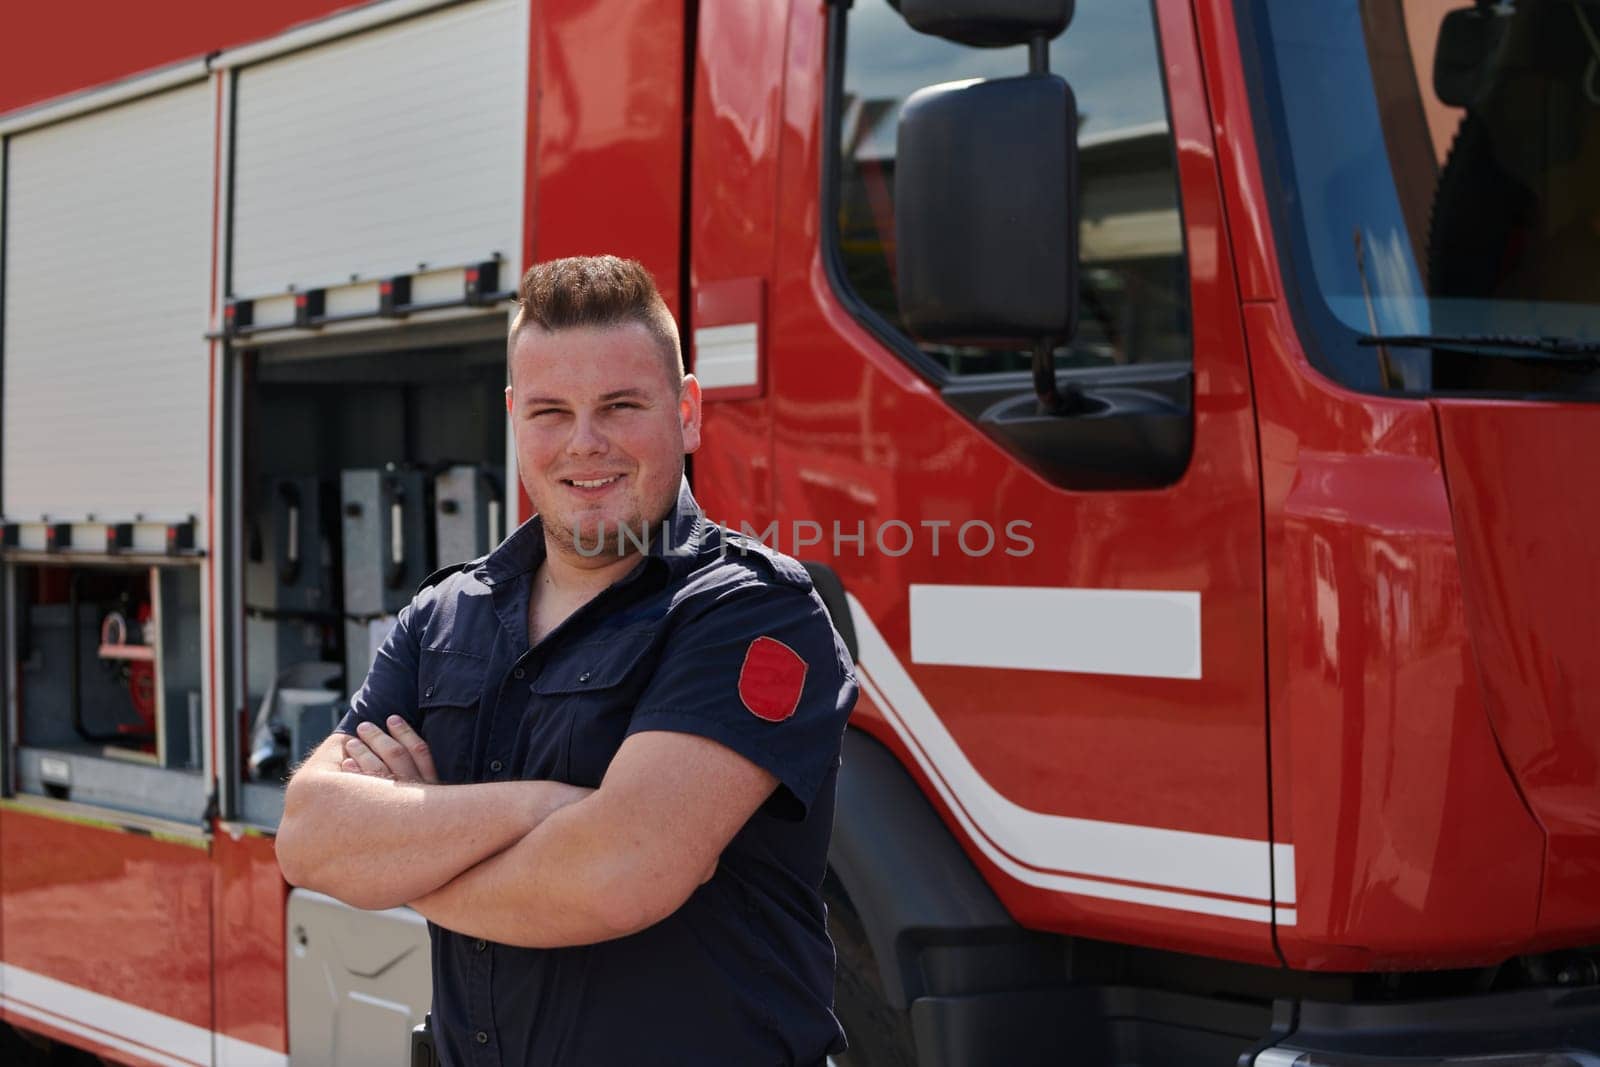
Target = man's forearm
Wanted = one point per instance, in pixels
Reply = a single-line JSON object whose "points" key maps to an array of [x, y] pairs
{"points": [[549, 889], [378, 843], [574, 880]]}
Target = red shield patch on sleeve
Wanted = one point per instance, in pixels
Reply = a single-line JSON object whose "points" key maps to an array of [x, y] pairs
{"points": [[771, 680]]}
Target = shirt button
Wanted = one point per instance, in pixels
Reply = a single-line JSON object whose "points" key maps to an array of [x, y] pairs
{"points": [[584, 677], [480, 944], [428, 692], [497, 766], [483, 1037], [518, 673]]}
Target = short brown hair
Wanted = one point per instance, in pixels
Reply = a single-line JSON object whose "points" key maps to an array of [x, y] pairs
{"points": [[597, 292]]}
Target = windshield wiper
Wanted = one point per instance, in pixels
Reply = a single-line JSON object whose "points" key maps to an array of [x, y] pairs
{"points": [[1512, 346]]}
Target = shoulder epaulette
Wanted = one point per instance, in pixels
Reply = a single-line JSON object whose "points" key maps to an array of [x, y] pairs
{"points": [[784, 568], [444, 572]]}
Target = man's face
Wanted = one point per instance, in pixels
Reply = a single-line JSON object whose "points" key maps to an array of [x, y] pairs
{"points": [[601, 432]]}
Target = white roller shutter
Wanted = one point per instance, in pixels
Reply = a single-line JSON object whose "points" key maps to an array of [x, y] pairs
{"points": [[369, 155], [107, 299]]}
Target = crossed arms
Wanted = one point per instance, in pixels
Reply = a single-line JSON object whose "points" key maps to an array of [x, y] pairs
{"points": [[534, 863]]}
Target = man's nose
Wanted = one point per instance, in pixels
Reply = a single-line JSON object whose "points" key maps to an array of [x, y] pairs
{"points": [[586, 438]]}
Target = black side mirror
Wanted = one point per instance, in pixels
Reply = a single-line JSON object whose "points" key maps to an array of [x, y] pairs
{"points": [[986, 218], [1469, 37], [987, 23]]}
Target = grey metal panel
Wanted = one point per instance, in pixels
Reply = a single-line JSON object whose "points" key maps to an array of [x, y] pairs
{"points": [[369, 155], [113, 783], [463, 326], [261, 804], [387, 554], [358, 982], [182, 725], [468, 512], [386, 538], [126, 194]]}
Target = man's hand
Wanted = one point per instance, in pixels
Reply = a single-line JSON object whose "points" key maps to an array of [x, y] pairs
{"points": [[378, 840], [400, 754], [621, 860]]}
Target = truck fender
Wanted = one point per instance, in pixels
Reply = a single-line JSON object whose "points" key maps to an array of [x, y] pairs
{"points": [[915, 889]]}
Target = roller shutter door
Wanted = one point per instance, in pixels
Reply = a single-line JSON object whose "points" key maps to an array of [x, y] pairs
{"points": [[368, 156], [107, 299]]}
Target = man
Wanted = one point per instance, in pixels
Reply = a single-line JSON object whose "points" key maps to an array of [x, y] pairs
{"points": [[600, 760]]}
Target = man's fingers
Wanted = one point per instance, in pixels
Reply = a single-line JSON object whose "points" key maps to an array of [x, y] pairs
{"points": [[348, 764], [394, 756], [413, 743], [366, 761]]}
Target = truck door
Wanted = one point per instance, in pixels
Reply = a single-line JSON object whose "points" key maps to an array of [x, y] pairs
{"points": [[1059, 618]]}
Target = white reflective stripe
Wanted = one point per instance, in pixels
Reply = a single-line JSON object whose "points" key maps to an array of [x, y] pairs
{"points": [[105, 1016], [1283, 874], [1062, 883], [231, 1052], [1058, 851], [1139, 633], [24, 1012], [125, 1027], [1285, 916], [726, 355]]}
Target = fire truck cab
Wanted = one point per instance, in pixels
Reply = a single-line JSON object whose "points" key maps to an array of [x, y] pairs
{"points": [[1187, 409]]}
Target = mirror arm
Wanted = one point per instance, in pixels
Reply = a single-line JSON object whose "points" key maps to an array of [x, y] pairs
{"points": [[1054, 398], [1039, 55]]}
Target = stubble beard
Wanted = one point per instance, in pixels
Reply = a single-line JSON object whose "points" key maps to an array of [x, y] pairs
{"points": [[602, 539]]}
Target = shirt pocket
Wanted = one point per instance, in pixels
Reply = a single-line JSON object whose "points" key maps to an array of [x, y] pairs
{"points": [[592, 689], [449, 690]]}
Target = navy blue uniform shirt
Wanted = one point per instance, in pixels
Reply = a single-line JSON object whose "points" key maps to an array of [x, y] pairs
{"points": [[711, 634]]}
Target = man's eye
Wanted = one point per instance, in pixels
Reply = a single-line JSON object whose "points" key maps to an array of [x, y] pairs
{"points": [[623, 404], [535, 413]]}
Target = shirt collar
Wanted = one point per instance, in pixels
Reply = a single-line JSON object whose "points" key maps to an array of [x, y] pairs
{"points": [[675, 541]]}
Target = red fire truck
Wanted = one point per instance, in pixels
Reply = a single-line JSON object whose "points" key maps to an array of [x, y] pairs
{"points": [[1187, 409]]}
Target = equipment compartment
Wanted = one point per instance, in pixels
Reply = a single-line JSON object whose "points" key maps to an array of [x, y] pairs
{"points": [[108, 696], [362, 473]]}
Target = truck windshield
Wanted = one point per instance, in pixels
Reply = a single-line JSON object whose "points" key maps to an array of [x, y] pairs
{"points": [[1440, 174]]}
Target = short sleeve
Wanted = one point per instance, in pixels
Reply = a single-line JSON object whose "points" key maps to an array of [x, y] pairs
{"points": [[390, 687], [760, 671]]}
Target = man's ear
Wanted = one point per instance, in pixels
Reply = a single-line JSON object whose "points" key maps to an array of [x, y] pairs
{"points": [[689, 413], [508, 400]]}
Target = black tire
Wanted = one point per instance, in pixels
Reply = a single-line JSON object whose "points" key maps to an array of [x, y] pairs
{"points": [[879, 1035], [14, 1048], [21, 1049]]}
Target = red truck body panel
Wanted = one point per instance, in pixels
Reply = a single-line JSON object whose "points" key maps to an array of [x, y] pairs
{"points": [[49, 50], [1522, 480], [120, 919]]}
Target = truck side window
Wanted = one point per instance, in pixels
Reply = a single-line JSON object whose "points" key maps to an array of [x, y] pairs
{"points": [[1134, 305]]}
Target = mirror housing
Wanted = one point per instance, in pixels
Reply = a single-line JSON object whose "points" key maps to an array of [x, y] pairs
{"points": [[988, 23], [986, 212], [1469, 39]]}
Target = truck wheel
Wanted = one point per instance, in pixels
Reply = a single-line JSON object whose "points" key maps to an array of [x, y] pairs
{"points": [[20, 1048], [879, 1035]]}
